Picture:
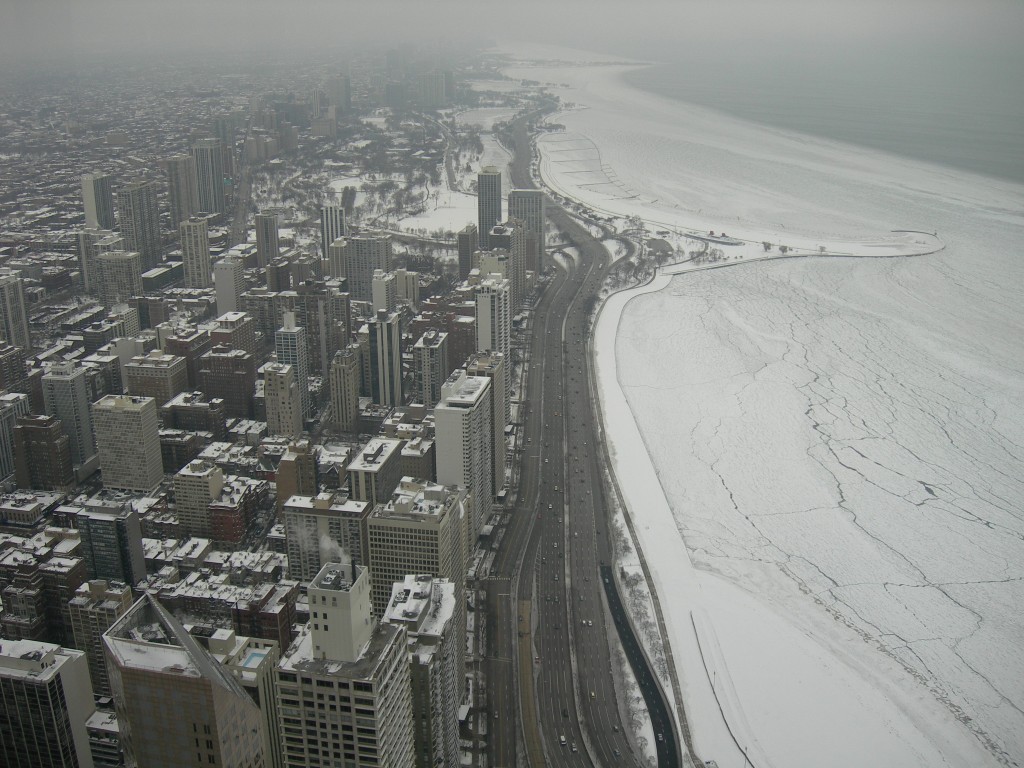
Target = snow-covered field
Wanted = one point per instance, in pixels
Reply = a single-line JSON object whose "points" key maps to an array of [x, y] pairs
{"points": [[831, 493]]}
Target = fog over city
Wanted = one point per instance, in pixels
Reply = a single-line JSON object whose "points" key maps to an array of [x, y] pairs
{"points": [[560, 382]]}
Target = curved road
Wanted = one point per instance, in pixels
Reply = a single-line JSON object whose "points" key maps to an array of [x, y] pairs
{"points": [[547, 613]]}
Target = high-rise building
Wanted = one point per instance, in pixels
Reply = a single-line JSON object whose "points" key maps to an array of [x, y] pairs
{"points": [[111, 536], [46, 701], [468, 241], [138, 218], [119, 276], [91, 243], [339, 92], [492, 365], [488, 202], [229, 374], [375, 471], [385, 291], [13, 405], [95, 607], [297, 472], [157, 375], [511, 237], [229, 284], [153, 660], [13, 318], [195, 251], [190, 343], [66, 395], [430, 359], [196, 486], [209, 159], [322, 308], [494, 315], [386, 359], [283, 400], [421, 529], [98, 200], [356, 258], [462, 422], [42, 454], [429, 610], [128, 438], [182, 188], [291, 348], [236, 330], [322, 528], [332, 226], [529, 207], [268, 245], [344, 382], [343, 653]]}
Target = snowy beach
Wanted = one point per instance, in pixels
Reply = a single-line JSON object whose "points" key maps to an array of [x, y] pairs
{"points": [[821, 456]]}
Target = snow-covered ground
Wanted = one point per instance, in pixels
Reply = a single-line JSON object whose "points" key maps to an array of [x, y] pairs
{"points": [[822, 456]]}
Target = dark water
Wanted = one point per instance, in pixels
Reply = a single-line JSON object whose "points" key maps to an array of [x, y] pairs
{"points": [[960, 109]]}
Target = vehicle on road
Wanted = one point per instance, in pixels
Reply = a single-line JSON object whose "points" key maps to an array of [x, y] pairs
{"points": [[561, 740]]}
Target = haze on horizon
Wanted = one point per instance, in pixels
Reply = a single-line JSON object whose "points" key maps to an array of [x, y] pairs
{"points": [[733, 30]]}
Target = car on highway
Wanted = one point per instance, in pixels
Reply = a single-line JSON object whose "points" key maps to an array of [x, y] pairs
{"points": [[561, 740], [550, 507]]}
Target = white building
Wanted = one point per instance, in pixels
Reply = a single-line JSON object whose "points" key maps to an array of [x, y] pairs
{"points": [[229, 283], [492, 365], [283, 400], [430, 360], [462, 423], [98, 201], [332, 226], [385, 291], [323, 528], [494, 316], [195, 252], [196, 486], [118, 276], [128, 439], [291, 348]]}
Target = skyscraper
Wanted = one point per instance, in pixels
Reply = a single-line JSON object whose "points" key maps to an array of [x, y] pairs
{"points": [[42, 454], [529, 207], [119, 276], [46, 701], [420, 529], [95, 607], [430, 358], [195, 252], [345, 389], [283, 400], [429, 610], [332, 226], [98, 200], [128, 438], [511, 236], [464, 441], [468, 241], [492, 365], [13, 318], [386, 359], [158, 375], [111, 537], [91, 243], [268, 246], [12, 406], [152, 661], [229, 374], [344, 653], [357, 257], [494, 316], [209, 159], [291, 348], [139, 220], [488, 202], [66, 395], [229, 282], [196, 486], [182, 187]]}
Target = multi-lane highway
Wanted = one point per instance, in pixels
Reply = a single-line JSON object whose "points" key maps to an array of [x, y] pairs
{"points": [[549, 666]]}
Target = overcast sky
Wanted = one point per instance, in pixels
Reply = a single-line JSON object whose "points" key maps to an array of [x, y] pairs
{"points": [[57, 29]]}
